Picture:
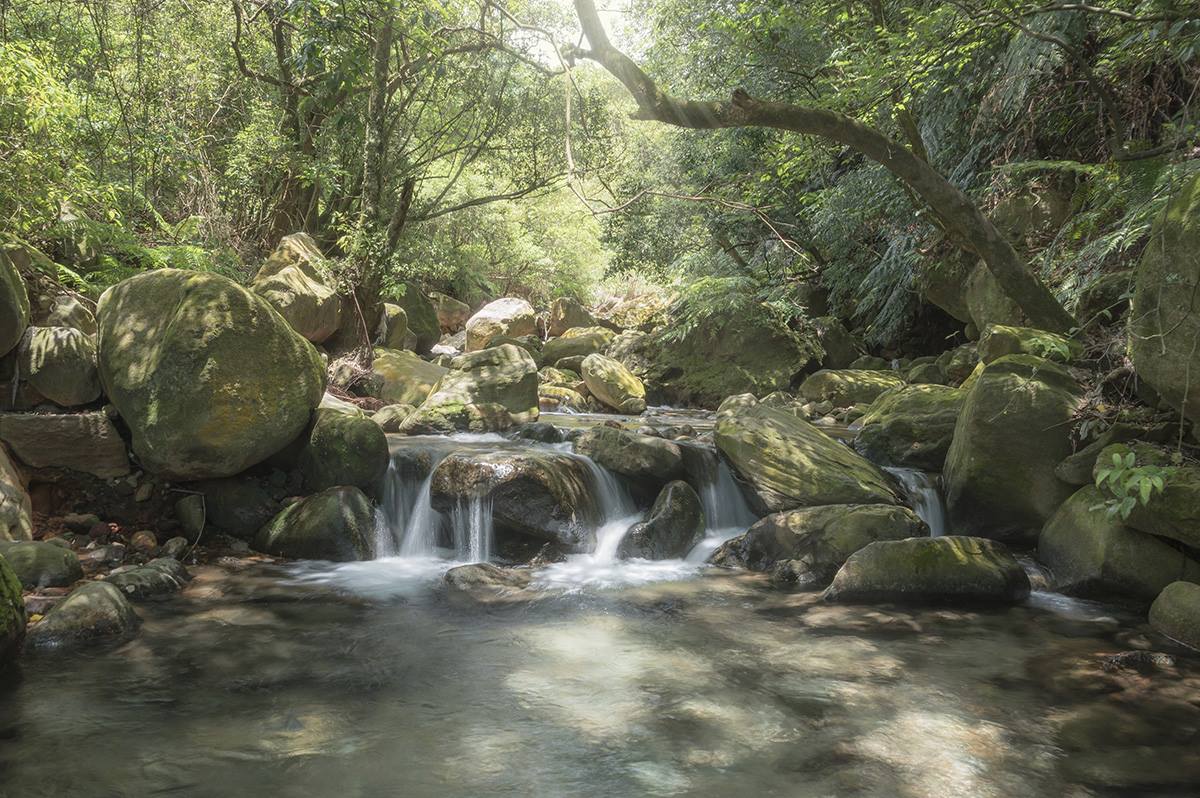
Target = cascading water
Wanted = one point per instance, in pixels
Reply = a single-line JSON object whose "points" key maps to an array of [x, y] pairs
{"points": [[471, 524], [726, 513], [925, 497], [616, 509]]}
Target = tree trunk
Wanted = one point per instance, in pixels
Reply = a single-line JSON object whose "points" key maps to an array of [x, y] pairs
{"points": [[962, 217]]}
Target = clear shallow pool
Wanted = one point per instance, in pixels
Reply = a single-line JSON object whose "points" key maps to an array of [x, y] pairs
{"points": [[365, 680]]}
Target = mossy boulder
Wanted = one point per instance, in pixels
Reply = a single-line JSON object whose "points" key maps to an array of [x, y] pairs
{"points": [[343, 449], [847, 387], [1172, 513], [674, 526], [94, 612], [510, 316], [295, 280], [157, 579], [208, 376], [1092, 553], [393, 327], [423, 326], [39, 564], [613, 384], [236, 506], [840, 347], [1164, 320], [484, 390], [555, 398], [959, 363], [452, 314], [567, 313], [535, 496], [530, 343], [66, 310], [988, 302], [1079, 468], [1176, 613], [12, 614], [640, 457], [810, 544], [732, 404], [405, 378], [584, 341], [999, 340], [60, 364], [910, 426], [1014, 428], [14, 304], [391, 417], [788, 463], [948, 570], [16, 509], [336, 524], [1104, 300]]}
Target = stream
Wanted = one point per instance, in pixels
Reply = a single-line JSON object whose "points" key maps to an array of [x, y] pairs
{"points": [[620, 678]]}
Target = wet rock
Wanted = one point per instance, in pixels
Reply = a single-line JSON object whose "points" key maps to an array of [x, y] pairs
{"points": [[14, 304], [12, 614], [155, 580], [237, 506], [16, 508], [1091, 553], [535, 495], [554, 398], [336, 524], [391, 417], [42, 564], [807, 546], [94, 612], [489, 584], [175, 548], [613, 384], [540, 431], [424, 329], [509, 316], [788, 463], [949, 569], [999, 340], [1013, 430], [483, 391], [85, 442], [674, 526], [404, 377], [911, 426], [452, 314], [625, 452], [191, 383], [847, 387], [60, 364], [343, 449], [296, 281], [1176, 613], [567, 313]]}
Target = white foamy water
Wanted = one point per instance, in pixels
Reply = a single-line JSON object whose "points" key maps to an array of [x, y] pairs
{"points": [[925, 497]]}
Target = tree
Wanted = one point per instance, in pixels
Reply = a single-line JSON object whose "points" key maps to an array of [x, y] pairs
{"points": [[959, 215]]}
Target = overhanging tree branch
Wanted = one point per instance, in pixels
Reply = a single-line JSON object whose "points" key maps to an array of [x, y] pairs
{"points": [[963, 218]]}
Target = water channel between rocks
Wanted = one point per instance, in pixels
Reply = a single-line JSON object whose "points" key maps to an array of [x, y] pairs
{"points": [[620, 678]]}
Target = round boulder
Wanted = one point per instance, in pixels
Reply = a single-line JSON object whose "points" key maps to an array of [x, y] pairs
{"points": [[337, 524], [60, 364], [675, 525], [343, 449], [613, 384], [42, 564], [94, 612], [510, 316], [208, 376]]}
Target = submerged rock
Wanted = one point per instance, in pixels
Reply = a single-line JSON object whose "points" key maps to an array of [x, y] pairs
{"points": [[336, 524], [155, 580], [12, 614], [94, 612], [483, 391], [613, 384], [295, 281], [1176, 613], [814, 542], [533, 494], [208, 377], [848, 387], [674, 526], [60, 364], [637, 456], [911, 426], [789, 463], [510, 316], [14, 304], [489, 584], [1013, 430], [952, 569], [1091, 553], [343, 449], [42, 564]]}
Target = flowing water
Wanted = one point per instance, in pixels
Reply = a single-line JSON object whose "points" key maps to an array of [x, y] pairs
{"points": [[924, 495]]}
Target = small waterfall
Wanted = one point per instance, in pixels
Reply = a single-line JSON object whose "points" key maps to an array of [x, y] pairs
{"points": [[471, 523], [617, 510], [925, 496], [406, 523], [726, 513]]}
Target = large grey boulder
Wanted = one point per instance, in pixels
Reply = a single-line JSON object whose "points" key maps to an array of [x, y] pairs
{"points": [[404, 377], [947, 570], [67, 311], [578, 342], [336, 524], [452, 314], [811, 543], [60, 364], [208, 376], [423, 328], [787, 462], [567, 313], [296, 281], [482, 391], [1014, 429], [674, 526], [911, 426], [510, 317], [393, 327], [94, 612]]}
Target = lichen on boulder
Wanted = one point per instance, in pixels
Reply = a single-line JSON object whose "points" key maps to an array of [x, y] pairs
{"points": [[613, 384], [847, 387]]}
